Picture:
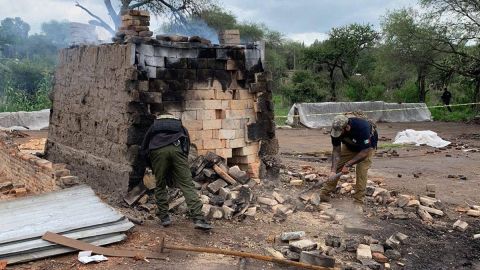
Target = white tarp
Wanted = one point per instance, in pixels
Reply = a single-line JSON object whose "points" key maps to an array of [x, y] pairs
{"points": [[25, 120], [428, 137], [316, 115]]}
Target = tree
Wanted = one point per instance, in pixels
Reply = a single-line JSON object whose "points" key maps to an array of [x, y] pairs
{"points": [[13, 30], [340, 52], [411, 42], [459, 21], [57, 32], [179, 9]]}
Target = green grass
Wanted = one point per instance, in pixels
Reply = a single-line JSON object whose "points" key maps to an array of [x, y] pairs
{"points": [[458, 114], [390, 145], [281, 110]]}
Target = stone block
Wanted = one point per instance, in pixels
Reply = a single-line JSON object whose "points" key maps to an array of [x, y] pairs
{"points": [[266, 201], [473, 213], [460, 225], [212, 124], [215, 212], [251, 149], [209, 115], [227, 212], [189, 116], [231, 124], [228, 134], [424, 215], [393, 254], [401, 237], [193, 125], [155, 61], [315, 258], [431, 210], [363, 252], [379, 257], [69, 181], [377, 248], [402, 200], [199, 95], [212, 104], [288, 236], [215, 186], [357, 228], [413, 203], [237, 143], [302, 245], [296, 182], [278, 197], [213, 144], [224, 193], [224, 152], [239, 175], [146, 50], [251, 212], [243, 160], [392, 242], [333, 241]]}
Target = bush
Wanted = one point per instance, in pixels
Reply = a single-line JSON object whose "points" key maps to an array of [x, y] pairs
{"points": [[14, 100], [407, 93], [304, 87]]}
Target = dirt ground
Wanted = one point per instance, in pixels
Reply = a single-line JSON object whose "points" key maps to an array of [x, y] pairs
{"points": [[429, 247]]}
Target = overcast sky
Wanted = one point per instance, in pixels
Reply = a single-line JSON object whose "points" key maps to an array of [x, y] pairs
{"points": [[303, 20]]}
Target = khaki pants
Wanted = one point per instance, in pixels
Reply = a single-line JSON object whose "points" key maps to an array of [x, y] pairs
{"points": [[171, 159], [361, 174]]}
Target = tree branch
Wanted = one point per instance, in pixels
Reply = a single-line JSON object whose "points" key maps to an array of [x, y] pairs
{"points": [[101, 22], [114, 15]]}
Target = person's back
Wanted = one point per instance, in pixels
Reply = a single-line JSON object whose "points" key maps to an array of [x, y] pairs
{"points": [[446, 97]]}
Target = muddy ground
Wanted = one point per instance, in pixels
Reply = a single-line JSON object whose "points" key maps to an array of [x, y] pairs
{"points": [[429, 247]]}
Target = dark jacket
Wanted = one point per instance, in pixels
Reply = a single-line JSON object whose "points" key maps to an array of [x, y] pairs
{"points": [[164, 132]]}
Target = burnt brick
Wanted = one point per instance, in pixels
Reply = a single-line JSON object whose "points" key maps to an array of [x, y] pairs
{"points": [[205, 74], [157, 86], [207, 53], [224, 77], [179, 63], [217, 64], [190, 74]]}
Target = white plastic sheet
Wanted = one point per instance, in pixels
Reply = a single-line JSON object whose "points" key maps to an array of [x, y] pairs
{"points": [[86, 257], [25, 120], [317, 115], [427, 137]]}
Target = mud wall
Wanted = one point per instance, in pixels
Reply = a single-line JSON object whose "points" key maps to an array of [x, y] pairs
{"points": [[91, 116]]}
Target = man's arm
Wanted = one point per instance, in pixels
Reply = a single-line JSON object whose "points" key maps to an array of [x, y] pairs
{"points": [[359, 157], [335, 157]]}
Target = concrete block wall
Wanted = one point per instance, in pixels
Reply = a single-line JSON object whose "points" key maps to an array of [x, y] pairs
{"points": [[105, 97]]}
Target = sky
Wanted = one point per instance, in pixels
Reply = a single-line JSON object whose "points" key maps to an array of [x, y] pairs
{"points": [[301, 20]]}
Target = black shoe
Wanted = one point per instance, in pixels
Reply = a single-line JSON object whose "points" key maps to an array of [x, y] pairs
{"points": [[202, 224], [166, 221]]}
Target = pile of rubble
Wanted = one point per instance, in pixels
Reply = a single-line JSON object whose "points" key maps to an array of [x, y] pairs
{"points": [[225, 192], [135, 23], [371, 253]]}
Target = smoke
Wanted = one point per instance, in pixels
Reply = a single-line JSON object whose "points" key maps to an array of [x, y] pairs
{"points": [[195, 27]]}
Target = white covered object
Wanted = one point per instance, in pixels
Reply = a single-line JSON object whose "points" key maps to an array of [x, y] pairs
{"points": [[87, 257], [25, 120], [427, 137], [317, 115]]}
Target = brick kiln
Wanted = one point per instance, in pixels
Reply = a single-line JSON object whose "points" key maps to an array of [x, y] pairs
{"points": [[105, 96]]}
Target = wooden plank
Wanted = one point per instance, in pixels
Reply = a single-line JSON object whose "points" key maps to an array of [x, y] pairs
{"points": [[58, 250], [224, 175], [80, 245]]}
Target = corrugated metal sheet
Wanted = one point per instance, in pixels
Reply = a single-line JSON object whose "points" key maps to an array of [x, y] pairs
{"points": [[75, 212]]}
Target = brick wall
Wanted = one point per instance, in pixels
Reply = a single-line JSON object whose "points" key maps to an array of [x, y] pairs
{"points": [[23, 169]]}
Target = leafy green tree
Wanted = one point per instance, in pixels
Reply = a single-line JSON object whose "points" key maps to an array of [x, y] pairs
{"points": [[340, 52], [304, 86], [58, 33], [13, 30]]}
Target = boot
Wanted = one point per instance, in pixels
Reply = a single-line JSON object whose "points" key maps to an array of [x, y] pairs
{"points": [[202, 224]]}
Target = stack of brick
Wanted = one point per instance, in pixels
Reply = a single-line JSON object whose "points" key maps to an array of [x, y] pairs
{"points": [[135, 23], [229, 37], [24, 172]]}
